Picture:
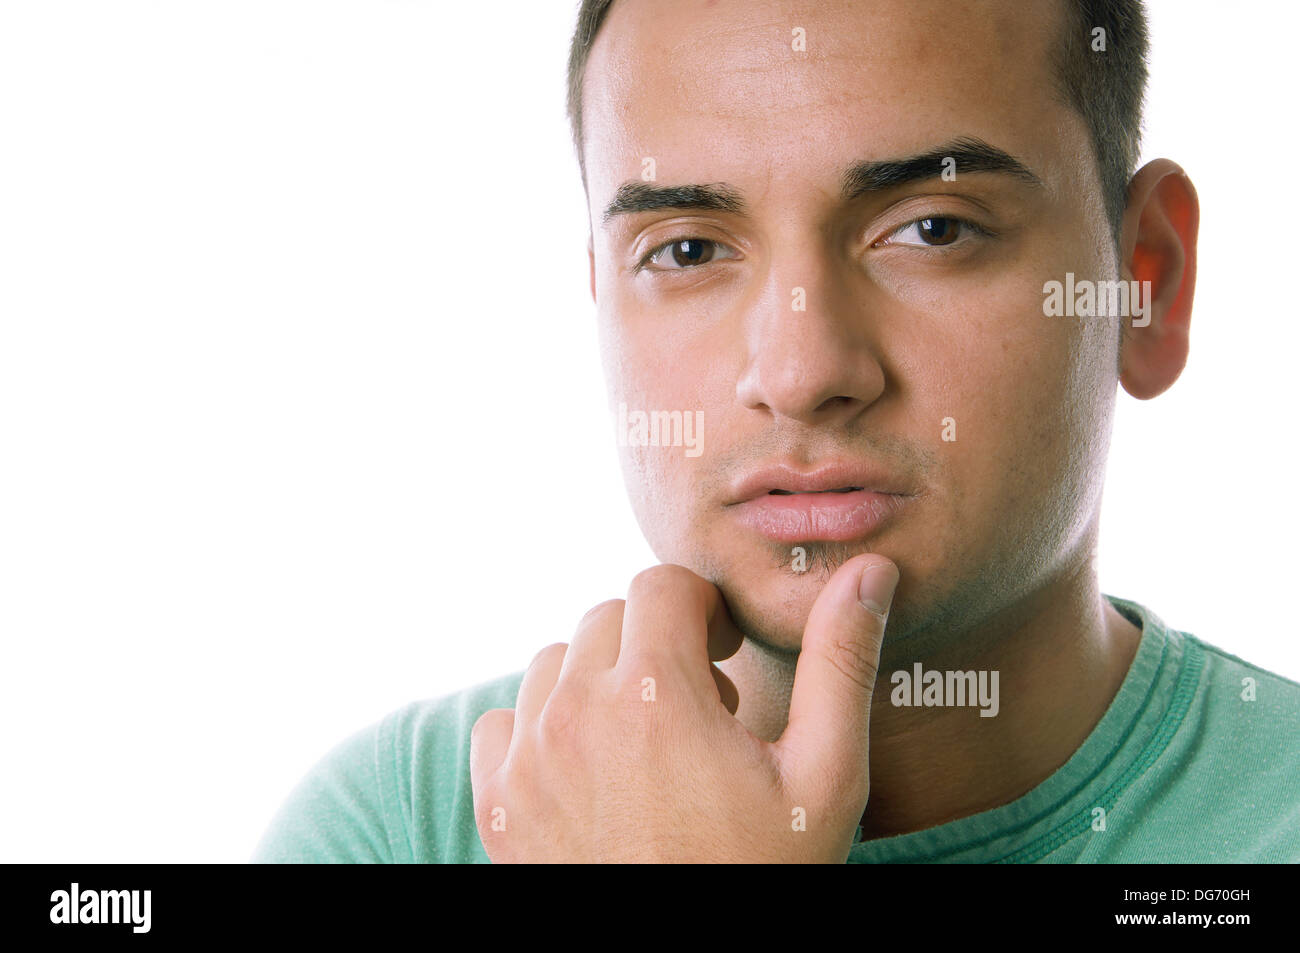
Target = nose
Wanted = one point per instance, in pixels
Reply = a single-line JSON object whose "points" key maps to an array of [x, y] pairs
{"points": [[819, 365]]}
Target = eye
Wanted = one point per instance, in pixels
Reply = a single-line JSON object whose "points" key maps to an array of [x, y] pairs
{"points": [[932, 232], [684, 253]]}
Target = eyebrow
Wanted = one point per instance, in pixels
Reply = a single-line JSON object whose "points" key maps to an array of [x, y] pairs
{"points": [[968, 154], [633, 197]]}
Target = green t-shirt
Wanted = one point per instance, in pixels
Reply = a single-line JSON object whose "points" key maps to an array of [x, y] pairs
{"points": [[1197, 759]]}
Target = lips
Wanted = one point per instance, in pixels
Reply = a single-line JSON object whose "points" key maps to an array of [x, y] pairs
{"points": [[840, 501], [843, 489], [837, 476]]}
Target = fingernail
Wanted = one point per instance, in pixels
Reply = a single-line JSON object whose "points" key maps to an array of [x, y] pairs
{"points": [[876, 587]]}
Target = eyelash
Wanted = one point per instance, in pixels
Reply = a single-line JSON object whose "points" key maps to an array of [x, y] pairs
{"points": [[664, 246], [644, 263], [963, 222]]}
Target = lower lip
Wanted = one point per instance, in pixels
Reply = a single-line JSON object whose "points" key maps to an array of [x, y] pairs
{"points": [[837, 517]]}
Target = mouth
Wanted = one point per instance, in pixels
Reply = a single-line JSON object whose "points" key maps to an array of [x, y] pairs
{"points": [[835, 477], [840, 501], [839, 489]]}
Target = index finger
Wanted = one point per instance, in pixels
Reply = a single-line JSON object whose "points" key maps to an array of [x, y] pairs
{"points": [[675, 620]]}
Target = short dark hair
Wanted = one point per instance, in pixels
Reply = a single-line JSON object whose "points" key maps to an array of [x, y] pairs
{"points": [[1105, 88]]}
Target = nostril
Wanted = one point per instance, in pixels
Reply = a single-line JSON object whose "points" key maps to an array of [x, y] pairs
{"points": [[832, 403]]}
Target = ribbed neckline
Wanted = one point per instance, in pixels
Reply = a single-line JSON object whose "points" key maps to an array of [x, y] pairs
{"points": [[1133, 732]]}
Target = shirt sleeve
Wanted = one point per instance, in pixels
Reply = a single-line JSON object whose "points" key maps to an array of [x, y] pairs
{"points": [[398, 792], [335, 815]]}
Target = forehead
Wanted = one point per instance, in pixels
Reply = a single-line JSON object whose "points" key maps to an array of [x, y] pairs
{"points": [[714, 90]]}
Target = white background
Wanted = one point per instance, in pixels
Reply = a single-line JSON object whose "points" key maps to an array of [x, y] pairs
{"points": [[301, 415]]}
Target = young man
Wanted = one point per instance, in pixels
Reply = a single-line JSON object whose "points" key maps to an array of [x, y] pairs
{"points": [[867, 275]]}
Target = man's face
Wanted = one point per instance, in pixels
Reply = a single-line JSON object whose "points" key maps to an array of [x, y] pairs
{"points": [[923, 301]]}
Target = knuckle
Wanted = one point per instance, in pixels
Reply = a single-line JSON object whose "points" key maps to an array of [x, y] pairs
{"points": [[636, 686], [645, 709], [485, 721], [658, 580], [855, 661], [560, 722], [478, 728], [555, 651], [610, 608]]}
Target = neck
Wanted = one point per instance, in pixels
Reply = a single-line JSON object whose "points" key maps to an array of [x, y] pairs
{"points": [[1061, 654]]}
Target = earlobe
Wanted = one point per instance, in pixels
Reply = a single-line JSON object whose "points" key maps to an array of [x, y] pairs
{"points": [[1159, 247]]}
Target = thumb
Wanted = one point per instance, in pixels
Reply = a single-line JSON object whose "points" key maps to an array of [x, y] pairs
{"points": [[835, 677]]}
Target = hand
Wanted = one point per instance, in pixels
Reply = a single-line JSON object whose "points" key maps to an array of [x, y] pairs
{"points": [[622, 748]]}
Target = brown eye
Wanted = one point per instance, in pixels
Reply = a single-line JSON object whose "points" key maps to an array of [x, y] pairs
{"points": [[685, 253], [935, 231], [692, 251], [939, 231]]}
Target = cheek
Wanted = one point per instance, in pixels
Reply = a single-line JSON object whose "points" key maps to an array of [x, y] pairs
{"points": [[1037, 477], [662, 486], [667, 432], [1003, 383], [983, 363], [651, 355]]}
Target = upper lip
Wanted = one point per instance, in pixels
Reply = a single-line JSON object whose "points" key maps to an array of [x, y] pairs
{"points": [[833, 475]]}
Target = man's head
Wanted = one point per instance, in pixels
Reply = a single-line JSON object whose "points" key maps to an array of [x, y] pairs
{"points": [[826, 227]]}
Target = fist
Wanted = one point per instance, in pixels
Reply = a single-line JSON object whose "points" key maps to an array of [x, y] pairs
{"points": [[624, 745]]}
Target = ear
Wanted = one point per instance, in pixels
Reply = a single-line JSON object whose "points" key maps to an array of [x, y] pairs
{"points": [[591, 264], [1159, 245]]}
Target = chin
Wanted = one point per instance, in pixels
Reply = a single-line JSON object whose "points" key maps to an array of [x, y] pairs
{"points": [[772, 606]]}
